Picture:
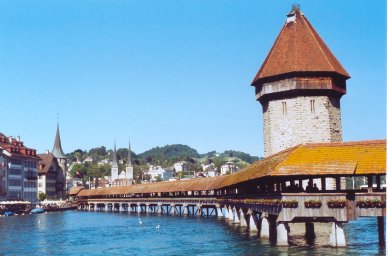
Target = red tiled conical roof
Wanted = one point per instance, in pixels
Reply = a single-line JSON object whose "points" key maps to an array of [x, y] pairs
{"points": [[299, 48]]}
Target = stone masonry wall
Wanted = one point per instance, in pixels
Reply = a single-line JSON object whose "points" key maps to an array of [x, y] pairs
{"points": [[292, 121]]}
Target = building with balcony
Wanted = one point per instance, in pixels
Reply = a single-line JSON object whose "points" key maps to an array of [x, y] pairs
{"points": [[3, 173], [18, 170]]}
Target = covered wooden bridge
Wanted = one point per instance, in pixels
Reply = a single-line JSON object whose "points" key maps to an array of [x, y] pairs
{"points": [[306, 183]]}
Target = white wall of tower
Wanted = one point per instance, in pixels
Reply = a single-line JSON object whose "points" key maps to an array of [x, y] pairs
{"points": [[114, 173], [129, 172]]}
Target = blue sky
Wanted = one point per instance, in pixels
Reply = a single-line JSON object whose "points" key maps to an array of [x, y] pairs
{"points": [[166, 72]]}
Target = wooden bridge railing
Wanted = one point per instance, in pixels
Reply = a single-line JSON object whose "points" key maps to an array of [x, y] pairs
{"points": [[290, 207]]}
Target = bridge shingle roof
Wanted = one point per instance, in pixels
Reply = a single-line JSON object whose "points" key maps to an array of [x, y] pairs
{"points": [[320, 159], [75, 190], [346, 158]]}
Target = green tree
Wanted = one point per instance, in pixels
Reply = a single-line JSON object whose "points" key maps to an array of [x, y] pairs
{"points": [[177, 152], [105, 170], [78, 170], [93, 171], [194, 167], [243, 156], [121, 167], [77, 154], [42, 196], [218, 162], [122, 154], [138, 172], [100, 151]]}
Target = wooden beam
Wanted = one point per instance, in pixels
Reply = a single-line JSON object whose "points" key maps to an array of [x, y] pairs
{"points": [[380, 227]]}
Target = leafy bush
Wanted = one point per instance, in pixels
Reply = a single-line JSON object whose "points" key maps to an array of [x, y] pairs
{"points": [[42, 196]]}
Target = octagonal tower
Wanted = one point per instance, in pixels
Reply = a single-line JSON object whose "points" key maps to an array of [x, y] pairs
{"points": [[299, 86]]}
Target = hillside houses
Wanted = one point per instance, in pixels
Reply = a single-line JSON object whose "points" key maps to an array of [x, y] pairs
{"points": [[158, 173]]}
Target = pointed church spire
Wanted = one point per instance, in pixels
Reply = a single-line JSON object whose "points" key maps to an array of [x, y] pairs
{"points": [[129, 162], [129, 168], [57, 149], [114, 160]]}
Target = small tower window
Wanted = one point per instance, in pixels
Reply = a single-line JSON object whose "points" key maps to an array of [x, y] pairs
{"points": [[312, 106], [284, 107]]}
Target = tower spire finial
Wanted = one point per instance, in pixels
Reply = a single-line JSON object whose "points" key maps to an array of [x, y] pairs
{"points": [[295, 6]]}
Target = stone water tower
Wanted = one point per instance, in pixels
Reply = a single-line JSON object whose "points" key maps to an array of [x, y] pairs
{"points": [[299, 86]]}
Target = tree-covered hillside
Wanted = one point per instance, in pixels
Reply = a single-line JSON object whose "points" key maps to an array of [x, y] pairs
{"points": [[96, 162], [243, 156], [170, 152]]}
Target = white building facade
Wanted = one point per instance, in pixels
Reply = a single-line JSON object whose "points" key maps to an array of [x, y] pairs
{"points": [[19, 170], [228, 168], [158, 171]]}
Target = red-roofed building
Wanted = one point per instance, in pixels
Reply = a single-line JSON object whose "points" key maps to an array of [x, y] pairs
{"points": [[51, 179], [3, 173], [18, 166]]}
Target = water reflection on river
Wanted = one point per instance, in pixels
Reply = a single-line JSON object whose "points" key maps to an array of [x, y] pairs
{"points": [[91, 233]]}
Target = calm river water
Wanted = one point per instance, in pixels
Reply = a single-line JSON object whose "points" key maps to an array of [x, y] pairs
{"points": [[90, 233]]}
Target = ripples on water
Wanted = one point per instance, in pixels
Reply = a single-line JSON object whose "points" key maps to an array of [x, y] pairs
{"points": [[93, 233]]}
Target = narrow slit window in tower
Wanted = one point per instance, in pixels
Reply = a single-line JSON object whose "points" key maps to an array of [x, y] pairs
{"points": [[312, 106], [284, 108]]}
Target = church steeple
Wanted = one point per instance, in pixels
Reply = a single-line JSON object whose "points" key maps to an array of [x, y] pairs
{"points": [[57, 149], [60, 156], [115, 166], [114, 160], [129, 169]]}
